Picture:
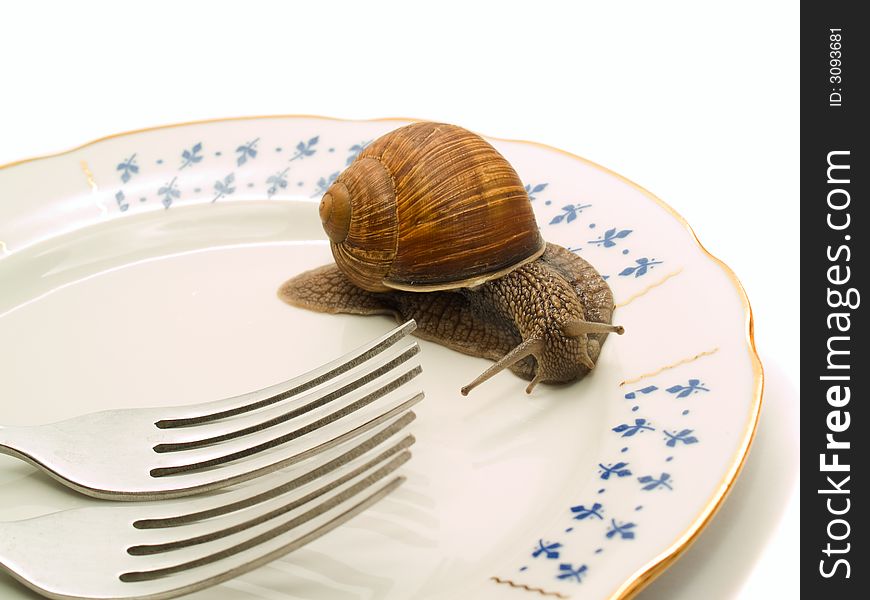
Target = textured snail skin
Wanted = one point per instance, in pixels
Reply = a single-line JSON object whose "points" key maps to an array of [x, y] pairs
{"points": [[431, 223], [551, 316]]}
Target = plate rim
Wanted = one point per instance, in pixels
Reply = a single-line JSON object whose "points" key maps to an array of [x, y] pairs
{"points": [[658, 564]]}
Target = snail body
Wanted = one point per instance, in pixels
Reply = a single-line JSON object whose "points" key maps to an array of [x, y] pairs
{"points": [[431, 223]]}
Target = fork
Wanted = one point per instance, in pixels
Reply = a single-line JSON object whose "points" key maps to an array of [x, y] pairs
{"points": [[170, 452], [157, 550]]}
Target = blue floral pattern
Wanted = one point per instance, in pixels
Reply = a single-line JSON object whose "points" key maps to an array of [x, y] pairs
{"points": [[224, 187], [569, 213], [304, 149], [653, 483], [276, 182], [169, 192], [644, 390], [546, 549], [590, 515], [684, 391], [608, 240], [128, 168], [641, 267], [623, 530], [685, 436], [323, 184], [121, 201], [192, 156], [629, 430], [355, 150], [619, 469], [581, 512], [247, 151], [532, 190], [566, 571]]}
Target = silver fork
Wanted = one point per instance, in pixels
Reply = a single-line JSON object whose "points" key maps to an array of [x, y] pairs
{"points": [[155, 550], [152, 453]]}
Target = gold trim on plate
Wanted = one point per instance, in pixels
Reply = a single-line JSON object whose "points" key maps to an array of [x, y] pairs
{"points": [[679, 363], [92, 183], [523, 586], [643, 576], [647, 289]]}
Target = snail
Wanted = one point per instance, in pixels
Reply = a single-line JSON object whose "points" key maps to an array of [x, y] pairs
{"points": [[431, 223]]}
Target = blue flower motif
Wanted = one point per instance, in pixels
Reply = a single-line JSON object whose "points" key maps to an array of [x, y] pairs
{"points": [[619, 469], [569, 213], [128, 168], [169, 193], [548, 549], [277, 181], [684, 391], [537, 189], [629, 430], [623, 530], [355, 150], [323, 184], [684, 436], [607, 240], [646, 390], [224, 188], [581, 512], [643, 265], [191, 157], [566, 571], [121, 200], [304, 149], [247, 151], [651, 483]]}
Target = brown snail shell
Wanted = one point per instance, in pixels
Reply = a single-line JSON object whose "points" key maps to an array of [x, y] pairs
{"points": [[427, 207]]}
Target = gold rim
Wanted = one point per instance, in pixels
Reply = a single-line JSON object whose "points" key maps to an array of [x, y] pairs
{"points": [[646, 574]]}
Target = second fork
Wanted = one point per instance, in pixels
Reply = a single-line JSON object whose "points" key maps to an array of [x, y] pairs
{"points": [[145, 454]]}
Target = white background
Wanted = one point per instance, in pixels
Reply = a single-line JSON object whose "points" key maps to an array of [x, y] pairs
{"points": [[694, 101]]}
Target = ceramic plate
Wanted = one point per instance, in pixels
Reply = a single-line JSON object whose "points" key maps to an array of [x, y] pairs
{"points": [[141, 270]]}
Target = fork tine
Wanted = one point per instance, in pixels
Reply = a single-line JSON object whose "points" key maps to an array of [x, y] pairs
{"points": [[229, 407], [266, 463], [244, 521], [209, 507], [208, 434], [195, 539], [251, 542], [80, 553], [225, 569], [206, 458]]}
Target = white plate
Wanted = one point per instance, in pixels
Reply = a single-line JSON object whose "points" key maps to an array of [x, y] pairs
{"points": [[141, 270]]}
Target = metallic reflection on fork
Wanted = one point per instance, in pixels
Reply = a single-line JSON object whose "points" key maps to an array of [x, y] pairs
{"points": [[145, 454], [166, 549]]}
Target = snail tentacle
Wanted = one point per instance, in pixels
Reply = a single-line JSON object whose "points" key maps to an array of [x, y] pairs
{"points": [[578, 327], [534, 382], [530, 347]]}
